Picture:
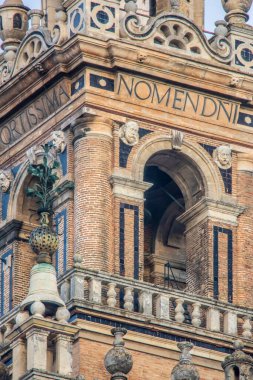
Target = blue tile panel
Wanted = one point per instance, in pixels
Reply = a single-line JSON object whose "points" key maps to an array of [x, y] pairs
{"points": [[125, 150], [62, 217], [245, 119], [64, 161], [123, 207], [101, 82], [77, 85], [229, 233], [6, 292], [148, 331], [226, 174]]}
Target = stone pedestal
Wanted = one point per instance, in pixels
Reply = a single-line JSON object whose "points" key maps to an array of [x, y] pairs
{"points": [[37, 349], [63, 355], [19, 359]]}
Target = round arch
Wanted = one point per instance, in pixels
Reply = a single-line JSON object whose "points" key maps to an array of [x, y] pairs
{"points": [[191, 153]]}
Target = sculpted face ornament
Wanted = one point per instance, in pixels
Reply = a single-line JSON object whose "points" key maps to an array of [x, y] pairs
{"points": [[223, 157], [129, 133], [58, 139], [6, 178]]}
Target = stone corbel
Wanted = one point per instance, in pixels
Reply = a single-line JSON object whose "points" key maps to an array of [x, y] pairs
{"points": [[127, 187], [218, 211]]}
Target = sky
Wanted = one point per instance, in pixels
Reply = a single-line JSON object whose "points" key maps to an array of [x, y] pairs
{"points": [[214, 11]]}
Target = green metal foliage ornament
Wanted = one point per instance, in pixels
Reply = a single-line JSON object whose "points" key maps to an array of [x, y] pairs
{"points": [[43, 240]]}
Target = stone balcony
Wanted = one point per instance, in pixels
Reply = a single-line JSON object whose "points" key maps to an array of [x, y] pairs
{"points": [[138, 303], [147, 308]]}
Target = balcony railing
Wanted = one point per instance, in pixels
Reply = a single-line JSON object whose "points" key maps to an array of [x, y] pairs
{"points": [[115, 294]]}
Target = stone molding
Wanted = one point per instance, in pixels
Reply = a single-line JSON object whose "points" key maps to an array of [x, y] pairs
{"points": [[10, 232], [91, 125], [245, 162], [209, 209], [127, 187]]}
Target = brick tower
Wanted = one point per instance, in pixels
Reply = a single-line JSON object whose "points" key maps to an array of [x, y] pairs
{"points": [[126, 177]]}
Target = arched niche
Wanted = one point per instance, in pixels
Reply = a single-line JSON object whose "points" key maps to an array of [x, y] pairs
{"points": [[181, 180]]}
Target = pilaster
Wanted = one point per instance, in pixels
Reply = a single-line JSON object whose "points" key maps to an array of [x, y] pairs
{"points": [[92, 204]]}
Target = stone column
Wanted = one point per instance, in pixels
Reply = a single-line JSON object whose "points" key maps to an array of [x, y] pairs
{"points": [[18, 358], [37, 349], [63, 355], [243, 262], [92, 201]]}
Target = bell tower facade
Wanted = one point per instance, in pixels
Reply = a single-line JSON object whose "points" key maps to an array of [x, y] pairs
{"points": [[126, 188]]}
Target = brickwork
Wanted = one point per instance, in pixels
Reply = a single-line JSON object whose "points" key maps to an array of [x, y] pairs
{"points": [[93, 195], [244, 267], [146, 365]]}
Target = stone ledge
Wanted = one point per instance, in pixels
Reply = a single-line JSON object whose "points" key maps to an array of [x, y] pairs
{"points": [[35, 374]]}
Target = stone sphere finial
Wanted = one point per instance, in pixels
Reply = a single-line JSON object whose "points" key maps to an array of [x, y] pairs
{"points": [[185, 369], [118, 361], [237, 10]]}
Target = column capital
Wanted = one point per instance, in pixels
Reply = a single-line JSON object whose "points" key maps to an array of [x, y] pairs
{"points": [[36, 331], [217, 211], [127, 187], [91, 125]]}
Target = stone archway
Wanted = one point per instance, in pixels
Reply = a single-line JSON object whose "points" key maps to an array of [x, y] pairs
{"points": [[196, 181]]}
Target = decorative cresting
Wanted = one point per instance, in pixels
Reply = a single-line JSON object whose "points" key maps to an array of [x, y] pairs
{"points": [[118, 361], [237, 10], [172, 31], [43, 297], [238, 365], [185, 370], [34, 43]]}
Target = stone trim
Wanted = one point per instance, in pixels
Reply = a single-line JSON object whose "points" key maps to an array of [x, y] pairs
{"points": [[127, 187], [209, 209], [10, 232]]}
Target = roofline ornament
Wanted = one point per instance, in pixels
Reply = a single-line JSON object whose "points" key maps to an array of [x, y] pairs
{"points": [[219, 48]]}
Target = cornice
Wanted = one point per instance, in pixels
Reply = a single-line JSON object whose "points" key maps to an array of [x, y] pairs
{"points": [[81, 51]]}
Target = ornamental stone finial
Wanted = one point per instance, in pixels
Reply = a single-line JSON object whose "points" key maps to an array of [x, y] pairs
{"points": [[118, 361], [185, 369], [238, 363], [237, 10]]}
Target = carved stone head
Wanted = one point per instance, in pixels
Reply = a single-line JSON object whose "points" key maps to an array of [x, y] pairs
{"points": [[58, 139], [223, 156], [129, 133], [6, 178]]}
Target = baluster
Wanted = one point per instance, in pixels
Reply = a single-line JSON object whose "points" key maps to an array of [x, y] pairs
{"points": [[111, 295], [196, 314], [213, 319], [179, 310], [247, 328], [230, 323], [128, 299], [145, 302], [95, 291], [163, 307]]}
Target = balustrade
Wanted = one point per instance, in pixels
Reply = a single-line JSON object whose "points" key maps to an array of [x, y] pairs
{"points": [[157, 302]]}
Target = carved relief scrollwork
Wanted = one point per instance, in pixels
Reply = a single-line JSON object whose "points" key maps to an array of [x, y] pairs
{"points": [[170, 31], [5, 72]]}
